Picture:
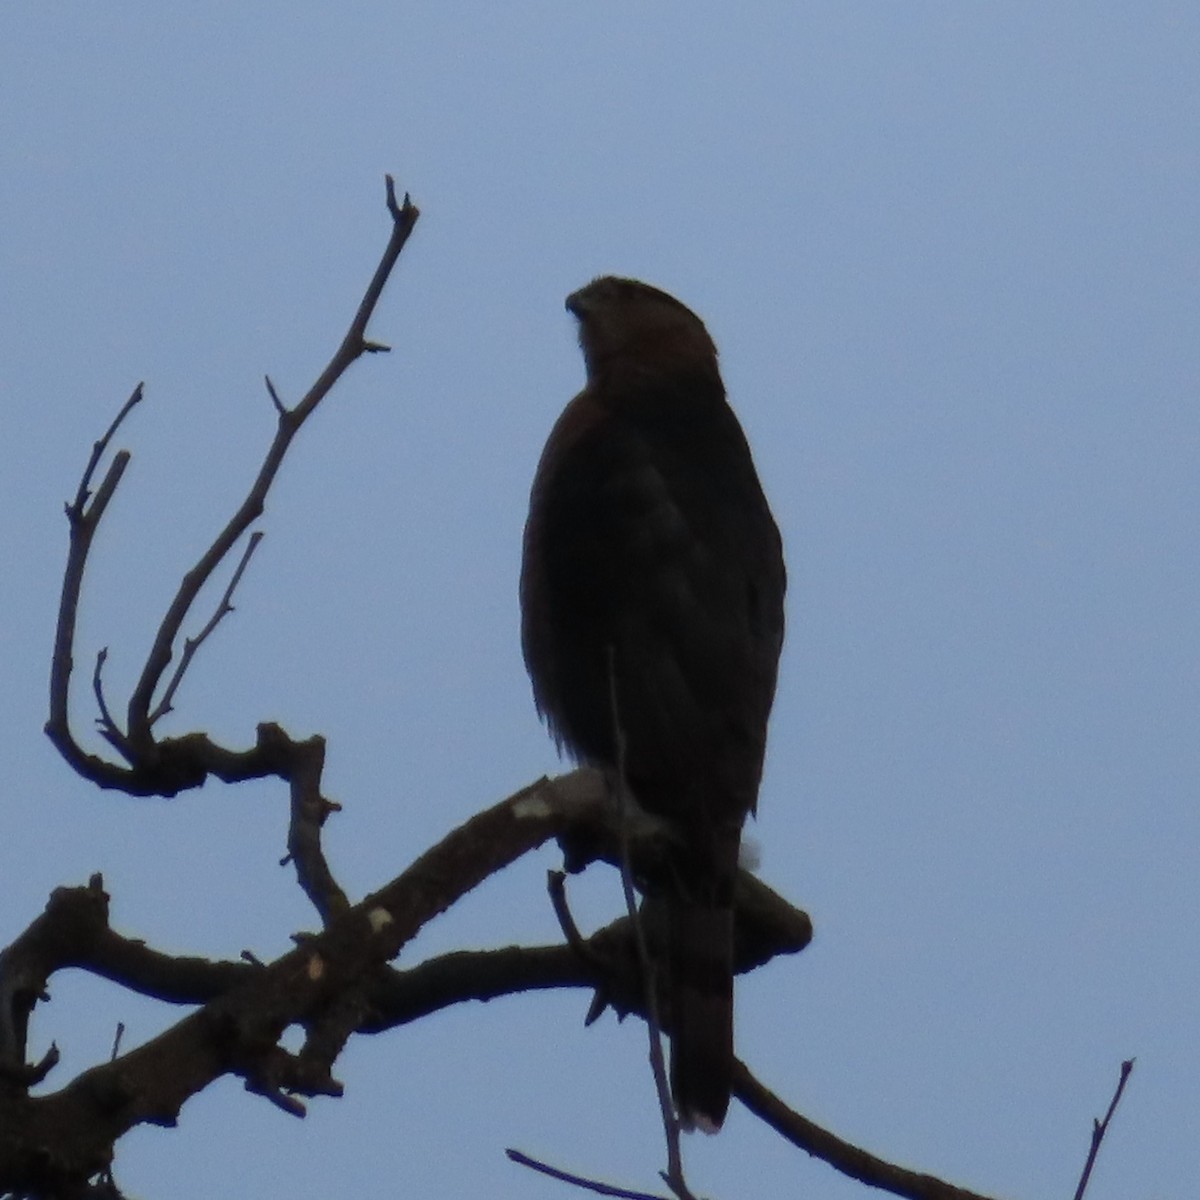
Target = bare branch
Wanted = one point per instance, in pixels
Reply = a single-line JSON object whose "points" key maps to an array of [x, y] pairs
{"points": [[83, 520], [70, 1133], [591, 1185], [98, 449], [353, 345], [673, 1176], [766, 924], [191, 645], [309, 811], [842, 1156], [165, 768], [333, 984], [607, 959], [108, 727], [71, 919], [400, 997], [275, 400], [1100, 1128], [174, 979]]}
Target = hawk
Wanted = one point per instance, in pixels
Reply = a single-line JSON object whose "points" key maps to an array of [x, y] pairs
{"points": [[652, 592]]}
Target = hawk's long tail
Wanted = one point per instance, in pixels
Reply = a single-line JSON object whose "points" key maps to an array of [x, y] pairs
{"points": [[700, 988]]}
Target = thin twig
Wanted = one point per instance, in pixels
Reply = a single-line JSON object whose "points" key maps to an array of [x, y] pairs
{"points": [[592, 1185], [98, 448], [191, 645], [275, 400], [1100, 1128], [108, 727], [673, 1176], [354, 344]]}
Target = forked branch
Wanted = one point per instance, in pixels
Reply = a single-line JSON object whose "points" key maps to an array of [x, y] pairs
{"points": [[169, 766], [289, 423], [333, 984]]}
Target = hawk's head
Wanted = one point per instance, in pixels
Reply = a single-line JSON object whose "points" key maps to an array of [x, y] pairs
{"points": [[624, 320]]}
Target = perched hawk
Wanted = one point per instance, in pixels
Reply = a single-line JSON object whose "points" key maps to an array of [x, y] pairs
{"points": [[652, 599]]}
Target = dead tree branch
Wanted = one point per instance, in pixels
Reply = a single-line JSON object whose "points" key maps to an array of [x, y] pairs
{"points": [[579, 1181], [1100, 1128], [191, 645], [333, 984], [83, 519], [841, 1155], [289, 423], [169, 766]]}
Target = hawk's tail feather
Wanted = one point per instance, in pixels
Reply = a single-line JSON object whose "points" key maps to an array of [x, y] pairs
{"points": [[700, 978]]}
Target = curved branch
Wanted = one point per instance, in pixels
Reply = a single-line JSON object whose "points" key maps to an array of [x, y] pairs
{"points": [[842, 1156], [310, 809], [83, 519]]}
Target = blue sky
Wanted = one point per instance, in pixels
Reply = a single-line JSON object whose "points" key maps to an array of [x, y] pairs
{"points": [[948, 252]]}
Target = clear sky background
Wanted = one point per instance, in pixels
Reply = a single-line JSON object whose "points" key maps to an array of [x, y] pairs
{"points": [[949, 253]]}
